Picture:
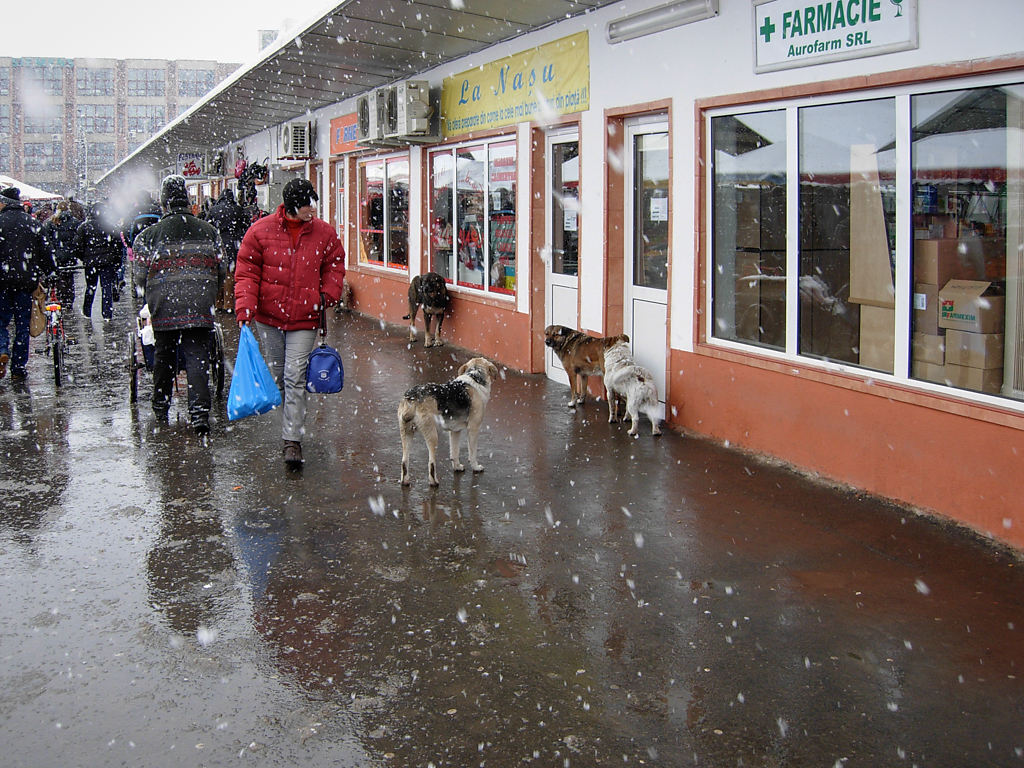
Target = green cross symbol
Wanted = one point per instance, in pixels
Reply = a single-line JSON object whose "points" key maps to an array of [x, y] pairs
{"points": [[766, 29]]}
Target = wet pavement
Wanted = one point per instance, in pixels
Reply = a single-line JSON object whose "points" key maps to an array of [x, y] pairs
{"points": [[589, 599]]}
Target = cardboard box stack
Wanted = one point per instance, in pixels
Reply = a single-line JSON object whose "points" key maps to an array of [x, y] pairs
{"points": [[973, 317], [949, 295]]}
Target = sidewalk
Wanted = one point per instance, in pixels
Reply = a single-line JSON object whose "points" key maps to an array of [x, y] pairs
{"points": [[754, 615], [589, 599]]}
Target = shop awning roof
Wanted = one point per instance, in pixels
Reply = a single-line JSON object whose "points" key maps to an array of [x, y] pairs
{"points": [[356, 46], [27, 191]]}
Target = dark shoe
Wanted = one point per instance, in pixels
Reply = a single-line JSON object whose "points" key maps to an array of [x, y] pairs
{"points": [[18, 374], [201, 428], [3, 364], [292, 454], [161, 415]]}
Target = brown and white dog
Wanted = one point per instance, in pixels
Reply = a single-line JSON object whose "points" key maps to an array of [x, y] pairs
{"points": [[430, 292], [581, 356], [623, 378], [457, 406]]}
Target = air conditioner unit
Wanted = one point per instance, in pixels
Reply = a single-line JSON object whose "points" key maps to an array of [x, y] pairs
{"points": [[407, 109], [368, 113], [272, 191], [297, 140]]}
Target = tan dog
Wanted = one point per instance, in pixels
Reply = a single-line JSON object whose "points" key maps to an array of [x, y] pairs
{"points": [[581, 356], [634, 383], [457, 406]]}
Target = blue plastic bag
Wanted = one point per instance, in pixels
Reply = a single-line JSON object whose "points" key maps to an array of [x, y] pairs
{"points": [[252, 389]]}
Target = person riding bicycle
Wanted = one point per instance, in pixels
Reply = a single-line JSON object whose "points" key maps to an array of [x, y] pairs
{"points": [[60, 231]]}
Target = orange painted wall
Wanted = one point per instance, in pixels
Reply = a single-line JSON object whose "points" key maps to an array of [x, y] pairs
{"points": [[486, 326], [872, 437]]}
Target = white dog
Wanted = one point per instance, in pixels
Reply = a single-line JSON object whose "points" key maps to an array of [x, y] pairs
{"points": [[624, 378]]}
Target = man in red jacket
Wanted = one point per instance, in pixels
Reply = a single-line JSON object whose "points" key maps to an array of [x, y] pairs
{"points": [[285, 263]]}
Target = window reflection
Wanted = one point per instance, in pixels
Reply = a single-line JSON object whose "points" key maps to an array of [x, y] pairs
{"points": [[965, 243], [384, 212], [966, 161], [473, 215], [501, 225], [848, 232], [565, 183], [651, 214], [749, 170], [371, 213], [398, 212], [469, 165], [441, 189]]}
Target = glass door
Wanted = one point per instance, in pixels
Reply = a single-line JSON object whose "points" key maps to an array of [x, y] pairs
{"points": [[647, 245], [562, 217]]}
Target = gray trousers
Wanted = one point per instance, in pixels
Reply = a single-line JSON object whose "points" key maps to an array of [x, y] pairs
{"points": [[287, 355]]}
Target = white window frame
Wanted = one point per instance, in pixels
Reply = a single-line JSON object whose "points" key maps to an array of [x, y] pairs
{"points": [[904, 235]]}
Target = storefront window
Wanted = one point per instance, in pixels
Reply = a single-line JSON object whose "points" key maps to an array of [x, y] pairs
{"points": [[340, 214], [502, 218], [848, 232], [957, 251], [442, 186], [371, 213], [474, 243], [398, 212], [967, 173], [469, 214], [384, 197], [749, 171]]}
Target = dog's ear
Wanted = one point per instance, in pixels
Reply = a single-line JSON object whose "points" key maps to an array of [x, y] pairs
{"points": [[624, 337], [463, 368]]}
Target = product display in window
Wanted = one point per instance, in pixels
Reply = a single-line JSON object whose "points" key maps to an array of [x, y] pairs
{"points": [[476, 242]]}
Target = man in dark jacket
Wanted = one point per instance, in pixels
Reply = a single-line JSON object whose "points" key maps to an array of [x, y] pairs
{"points": [[99, 247], [178, 269], [231, 221], [25, 260]]}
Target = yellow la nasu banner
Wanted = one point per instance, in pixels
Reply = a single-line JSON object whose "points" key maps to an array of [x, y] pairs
{"points": [[538, 85]]}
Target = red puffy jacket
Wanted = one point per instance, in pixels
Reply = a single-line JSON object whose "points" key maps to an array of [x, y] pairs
{"points": [[279, 285]]}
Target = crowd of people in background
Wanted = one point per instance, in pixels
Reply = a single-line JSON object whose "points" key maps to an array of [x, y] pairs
{"points": [[221, 243]]}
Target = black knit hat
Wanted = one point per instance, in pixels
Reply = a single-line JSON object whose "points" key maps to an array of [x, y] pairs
{"points": [[10, 196], [298, 193], [173, 192]]}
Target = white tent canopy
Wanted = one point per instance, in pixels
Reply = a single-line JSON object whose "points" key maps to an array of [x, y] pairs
{"points": [[28, 192]]}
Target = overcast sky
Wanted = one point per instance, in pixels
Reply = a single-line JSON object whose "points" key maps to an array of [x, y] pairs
{"points": [[180, 29]]}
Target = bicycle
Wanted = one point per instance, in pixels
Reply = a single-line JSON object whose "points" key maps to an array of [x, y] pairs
{"points": [[56, 338]]}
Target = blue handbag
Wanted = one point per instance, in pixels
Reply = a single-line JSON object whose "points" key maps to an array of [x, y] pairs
{"points": [[325, 373], [253, 389]]}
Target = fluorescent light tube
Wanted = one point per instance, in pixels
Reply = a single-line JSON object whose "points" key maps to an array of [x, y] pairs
{"points": [[661, 18]]}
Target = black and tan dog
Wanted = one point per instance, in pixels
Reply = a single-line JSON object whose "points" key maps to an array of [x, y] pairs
{"points": [[430, 292], [457, 405], [581, 356]]}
